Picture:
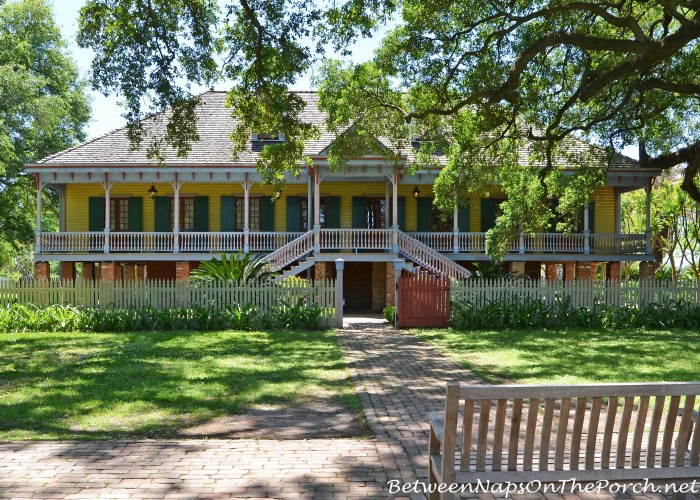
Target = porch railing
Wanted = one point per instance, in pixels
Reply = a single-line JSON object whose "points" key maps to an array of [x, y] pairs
{"points": [[332, 239], [356, 239]]}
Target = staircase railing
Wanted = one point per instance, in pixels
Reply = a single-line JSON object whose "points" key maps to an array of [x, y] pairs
{"points": [[290, 252], [429, 259]]}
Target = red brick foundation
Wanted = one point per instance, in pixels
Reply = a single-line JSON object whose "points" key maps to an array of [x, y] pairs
{"points": [[550, 272], [517, 268], [585, 271], [390, 284], [110, 271], [569, 272], [129, 273], [68, 271], [42, 271], [320, 271], [141, 272], [378, 286], [613, 271], [182, 271], [88, 271]]}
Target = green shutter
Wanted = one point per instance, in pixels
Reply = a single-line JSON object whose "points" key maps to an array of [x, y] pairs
{"points": [[162, 211], [488, 214], [294, 213], [359, 212], [267, 214], [96, 214], [425, 207], [136, 214], [463, 218], [591, 217], [228, 213], [201, 214], [333, 212], [402, 213]]}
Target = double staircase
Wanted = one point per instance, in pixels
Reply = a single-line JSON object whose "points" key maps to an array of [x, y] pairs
{"points": [[300, 252]]}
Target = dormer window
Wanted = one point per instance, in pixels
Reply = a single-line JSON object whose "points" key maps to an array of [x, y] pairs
{"points": [[274, 136]]}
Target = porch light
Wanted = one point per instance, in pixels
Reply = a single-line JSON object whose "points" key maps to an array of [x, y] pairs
{"points": [[416, 192], [278, 195], [152, 192]]}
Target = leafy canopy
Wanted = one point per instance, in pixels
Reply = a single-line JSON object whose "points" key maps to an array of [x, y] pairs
{"points": [[43, 109], [480, 79]]}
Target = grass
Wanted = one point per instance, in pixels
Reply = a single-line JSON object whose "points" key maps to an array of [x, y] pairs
{"points": [[573, 356], [153, 385]]}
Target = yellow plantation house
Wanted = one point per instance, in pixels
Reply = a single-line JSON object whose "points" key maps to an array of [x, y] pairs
{"points": [[125, 217]]}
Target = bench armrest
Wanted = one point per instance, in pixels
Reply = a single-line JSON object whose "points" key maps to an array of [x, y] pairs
{"points": [[437, 422]]}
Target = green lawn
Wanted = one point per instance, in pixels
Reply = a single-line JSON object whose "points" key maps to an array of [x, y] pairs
{"points": [[574, 356], [152, 385]]}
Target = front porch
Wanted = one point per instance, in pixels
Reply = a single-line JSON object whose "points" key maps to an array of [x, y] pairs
{"points": [[457, 245]]}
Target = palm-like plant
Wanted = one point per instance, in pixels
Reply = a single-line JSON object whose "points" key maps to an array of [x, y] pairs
{"points": [[238, 267]]}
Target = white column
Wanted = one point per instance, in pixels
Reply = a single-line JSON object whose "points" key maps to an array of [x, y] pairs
{"points": [[586, 231], [317, 212], [455, 228], [176, 218], [108, 208], [387, 205], [39, 190], [309, 206], [339, 301], [395, 213], [246, 215]]}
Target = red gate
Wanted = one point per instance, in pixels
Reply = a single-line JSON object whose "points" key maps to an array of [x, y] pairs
{"points": [[424, 300]]}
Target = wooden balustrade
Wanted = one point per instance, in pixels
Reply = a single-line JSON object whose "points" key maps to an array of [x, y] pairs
{"points": [[356, 239], [291, 252], [442, 242], [72, 242], [268, 241], [140, 242]]}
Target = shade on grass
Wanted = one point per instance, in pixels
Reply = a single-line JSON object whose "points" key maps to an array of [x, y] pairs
{"points": [[574, 356], [151, 385]]}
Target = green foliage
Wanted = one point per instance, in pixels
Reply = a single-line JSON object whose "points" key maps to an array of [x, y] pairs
{"points": [[390, 314], [528, 314], [43, 109], [21, 318], [239, 267]]}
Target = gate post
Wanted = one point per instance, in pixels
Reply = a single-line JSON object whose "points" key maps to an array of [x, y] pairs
{"points": [[339, 301], [398, 265]]}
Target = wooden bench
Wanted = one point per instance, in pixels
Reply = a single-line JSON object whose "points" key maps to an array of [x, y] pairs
{"points": [[550, 433]]}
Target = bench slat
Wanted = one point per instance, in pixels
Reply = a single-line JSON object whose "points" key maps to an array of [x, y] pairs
{"points": [[624, 430], [483, 434], [532, 411], [668, 431], [608, 432], [576, 433], [642, 412], [592, 432], [654, 429], [467, 433], [546, 433], [514, 434], [684, 430], [579, 391], [561, 433], [499, 425], [695, 445]]}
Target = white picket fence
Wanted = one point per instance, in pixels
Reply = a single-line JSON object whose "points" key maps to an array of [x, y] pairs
{"points": [[162, 294], [482, 292]]}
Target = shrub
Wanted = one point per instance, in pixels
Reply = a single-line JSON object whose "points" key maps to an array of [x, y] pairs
{"points": [[390, 314], [517, 314], [56, 318]]}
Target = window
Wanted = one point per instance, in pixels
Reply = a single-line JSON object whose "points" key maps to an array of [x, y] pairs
{"points": [[305, 212], [274, 136], [119, 214], [376, 213], [254, 214], [186, 213]]}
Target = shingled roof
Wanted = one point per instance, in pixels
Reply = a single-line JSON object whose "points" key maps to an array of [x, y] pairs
{"points": [[214, 125]]}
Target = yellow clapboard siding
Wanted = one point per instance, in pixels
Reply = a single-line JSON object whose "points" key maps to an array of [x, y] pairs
{"points": [[604, 199]]}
